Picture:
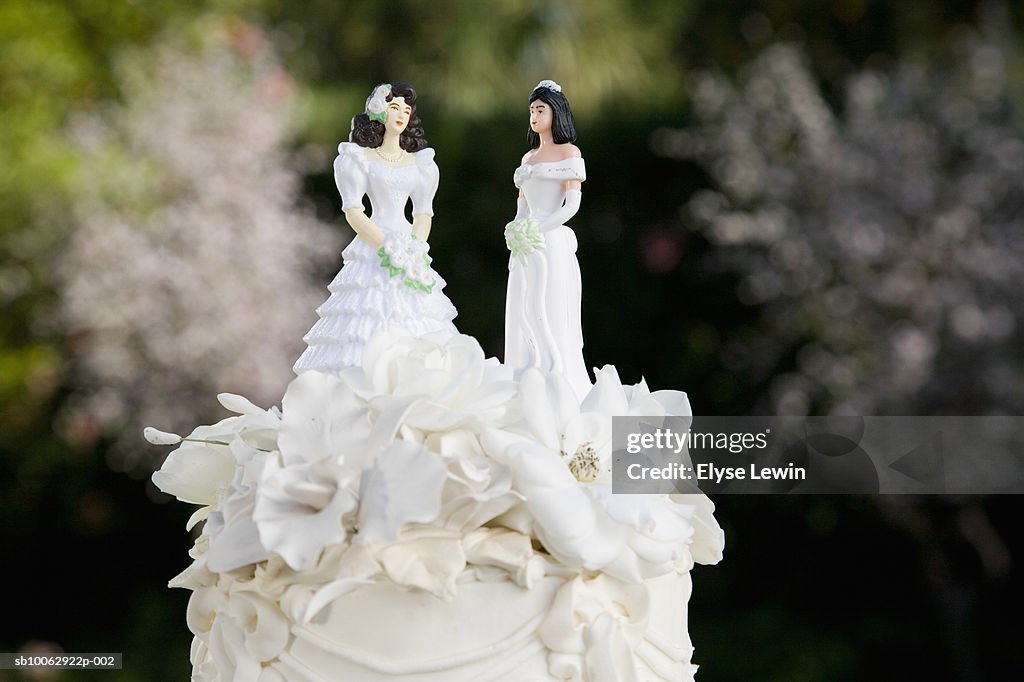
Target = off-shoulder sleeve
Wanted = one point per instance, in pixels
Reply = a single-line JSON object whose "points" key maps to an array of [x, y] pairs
{"points": [[574, 168], [426, 188], [350, 175]]}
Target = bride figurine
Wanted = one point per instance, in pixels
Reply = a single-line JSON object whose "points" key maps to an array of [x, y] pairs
{"points": [[542, 309], [386, 279]]}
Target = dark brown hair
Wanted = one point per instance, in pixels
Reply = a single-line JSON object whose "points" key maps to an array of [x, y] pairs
{"points": [[368, 133], [563, 127]]}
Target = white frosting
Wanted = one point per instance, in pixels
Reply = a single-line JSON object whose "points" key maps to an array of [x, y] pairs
{"points": [[596, 628], [425, 517]]}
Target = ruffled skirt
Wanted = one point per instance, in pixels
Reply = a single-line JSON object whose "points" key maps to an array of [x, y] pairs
{"points": [[364, 301]]}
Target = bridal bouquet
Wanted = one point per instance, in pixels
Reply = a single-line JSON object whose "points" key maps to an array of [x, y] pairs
{"points": [[523, 237], [405, 257]]}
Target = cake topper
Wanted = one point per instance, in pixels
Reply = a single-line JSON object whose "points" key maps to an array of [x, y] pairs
{"points": [[542, 310], [387, 279]]}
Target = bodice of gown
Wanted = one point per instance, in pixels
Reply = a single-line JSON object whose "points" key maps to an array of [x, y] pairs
{"points": [[389, 188], [543, 183]]}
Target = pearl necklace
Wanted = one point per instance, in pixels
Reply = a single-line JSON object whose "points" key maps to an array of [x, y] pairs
{"points": [[389, 159]]}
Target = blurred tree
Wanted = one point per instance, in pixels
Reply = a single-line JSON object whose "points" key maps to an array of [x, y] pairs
{"points": [[98, 184], [882, 243], [57, 57], [479, 58], [190, 270]]}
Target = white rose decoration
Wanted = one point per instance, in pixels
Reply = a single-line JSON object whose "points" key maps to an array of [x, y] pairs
{"points": [[241, 630], [233, 536], [201, 469], [308, 490], [403, 486], [560, 458], [444, 383]]}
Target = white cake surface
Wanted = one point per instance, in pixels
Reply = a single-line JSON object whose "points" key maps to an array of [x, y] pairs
{"points": [[427, 517]]}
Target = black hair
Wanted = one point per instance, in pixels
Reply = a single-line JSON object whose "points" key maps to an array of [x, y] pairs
{"points": [[369, 133], [563, 127]]}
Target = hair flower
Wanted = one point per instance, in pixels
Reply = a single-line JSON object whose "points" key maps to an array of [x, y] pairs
{"points": [[377, 102], [550, 85]]}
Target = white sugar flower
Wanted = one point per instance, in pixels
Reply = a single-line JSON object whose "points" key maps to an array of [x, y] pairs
{"points": [[443, 382], [302, 508], [233, 535], [210, 460], [404, 485], [323, 418], [478, 490], [594, 626], [560, 457], [158, 437], [200, 469], [306, 493], [196, 471], [241, 630], [425, 558]]}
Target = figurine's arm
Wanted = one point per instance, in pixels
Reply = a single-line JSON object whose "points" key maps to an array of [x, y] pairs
{"points": [[423, 195], [365, 228], [569, 208], [350, 177], [572, 193], [421, 226], [522, 207]]}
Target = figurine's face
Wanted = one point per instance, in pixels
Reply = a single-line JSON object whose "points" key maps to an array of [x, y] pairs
{"points": [[399, 114], [540, 117]]}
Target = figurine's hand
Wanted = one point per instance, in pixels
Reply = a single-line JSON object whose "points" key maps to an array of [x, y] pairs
{"points": [[523, 237]]}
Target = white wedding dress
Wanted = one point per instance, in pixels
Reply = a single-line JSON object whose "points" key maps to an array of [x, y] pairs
{"points": [[542, 308], [364, 298]]}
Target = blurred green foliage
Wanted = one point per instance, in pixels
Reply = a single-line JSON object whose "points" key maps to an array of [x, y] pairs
{"points": [[815, 589], [58, 61]]}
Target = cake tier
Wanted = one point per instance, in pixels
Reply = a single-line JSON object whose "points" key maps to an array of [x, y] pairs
{"points": [[594, 629]]}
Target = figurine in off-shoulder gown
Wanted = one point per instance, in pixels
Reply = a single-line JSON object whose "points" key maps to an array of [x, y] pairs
{"points": [[386, 280], [542, 310]]}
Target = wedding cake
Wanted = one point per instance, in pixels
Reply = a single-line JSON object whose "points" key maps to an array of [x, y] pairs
{"points": [[426, 513], [427, 517]]}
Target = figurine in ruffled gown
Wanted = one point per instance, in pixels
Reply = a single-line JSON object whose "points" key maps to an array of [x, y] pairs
{"points": [[386, 280], [542, 311]]}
